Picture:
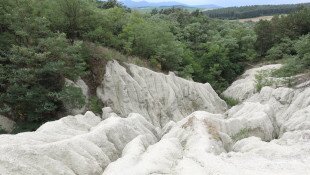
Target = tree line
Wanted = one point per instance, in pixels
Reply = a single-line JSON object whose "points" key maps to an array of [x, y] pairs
{"points": [[254, 11]]}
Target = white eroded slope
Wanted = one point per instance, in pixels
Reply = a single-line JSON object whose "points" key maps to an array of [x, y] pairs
{"points": [[158, 97], [267, 134], [206, 143], [196, 146], [244, 87], [72, 145]]}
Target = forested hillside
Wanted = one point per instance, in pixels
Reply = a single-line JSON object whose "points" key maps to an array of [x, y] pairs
{"points": [[254, 11], [42, 42]]}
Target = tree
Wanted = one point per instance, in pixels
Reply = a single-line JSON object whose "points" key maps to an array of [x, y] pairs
{"points": [[265, 37], [302, 47], [112, 4], [73, 17], [152, 39], [31, 76]]}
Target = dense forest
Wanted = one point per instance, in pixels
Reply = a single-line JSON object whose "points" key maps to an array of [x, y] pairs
{"points": [[44, 42], [254, 11]]}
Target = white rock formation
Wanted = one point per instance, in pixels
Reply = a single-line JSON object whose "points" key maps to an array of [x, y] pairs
{"points": [[196, 146], [72, 145], [244, 87], [290, 107], [6, 124], [267, 134], [158, 97]]}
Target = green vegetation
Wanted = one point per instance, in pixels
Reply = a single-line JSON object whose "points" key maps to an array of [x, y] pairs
{"points": [[2, 131], [254, 11], [43, 42], [95, 105], [262, 80], [24, 126], [243, 133], [230, 101], [286, 38], [71, 96]]}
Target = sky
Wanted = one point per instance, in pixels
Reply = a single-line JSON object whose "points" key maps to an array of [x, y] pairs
{"points": [[226, 3]]}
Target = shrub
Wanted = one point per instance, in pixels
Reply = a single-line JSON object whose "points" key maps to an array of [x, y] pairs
{"points": [[261, 80], [275, 53], [26, 126], [187, 72], [95, 105], [230, 101], [291, 67], [243, 133], [72, 97], [2, 131]]}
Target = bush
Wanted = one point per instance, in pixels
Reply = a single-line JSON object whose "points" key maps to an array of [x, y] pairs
{"points": [[26, 126], [275, 53], [2, 131], [230, 101], [95, 105], [291, 67], [261, 80], [72, 97], [243, 133]]}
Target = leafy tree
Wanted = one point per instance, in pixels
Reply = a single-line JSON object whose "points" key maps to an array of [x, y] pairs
{"points": [[265, 36], [73, 17], [112, 4], [152, 39], [302, 47], [29, 76]]}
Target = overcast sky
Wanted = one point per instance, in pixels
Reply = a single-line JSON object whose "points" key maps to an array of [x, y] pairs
{"points": [[232, 2]]}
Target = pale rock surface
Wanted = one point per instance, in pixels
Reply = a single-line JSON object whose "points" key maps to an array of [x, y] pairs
{"points": [[81, 144], [196, 146], [267, 134], [6, 124], [244, 87], [158, 97], [290, 107]]}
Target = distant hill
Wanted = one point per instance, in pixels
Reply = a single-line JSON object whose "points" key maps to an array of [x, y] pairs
{"points": [[145, 4], [134, 4], [254, 11]]}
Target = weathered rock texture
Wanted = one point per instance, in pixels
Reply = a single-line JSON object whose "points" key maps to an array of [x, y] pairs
{"points": [[72, 145], [244, 87], [158, 97], [196, 146], [267, 134]]}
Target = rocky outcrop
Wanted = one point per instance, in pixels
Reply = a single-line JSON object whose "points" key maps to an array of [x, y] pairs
{"points": [[81, 144], [6, 124], [158, 97], [290, 107], [244, 87], [196, 146]]}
